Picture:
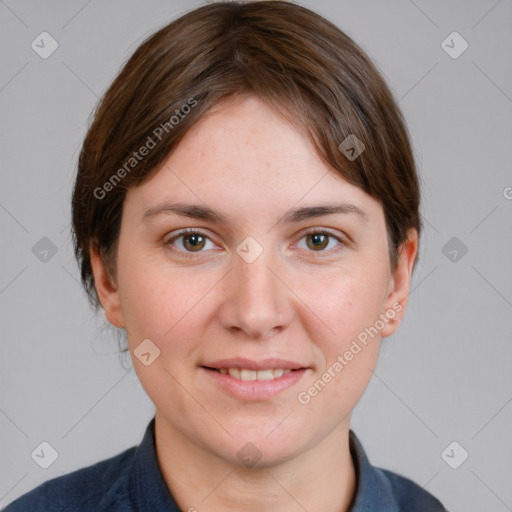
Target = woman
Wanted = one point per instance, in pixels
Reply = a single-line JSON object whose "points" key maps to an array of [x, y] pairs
{"points": [[246, 209]]}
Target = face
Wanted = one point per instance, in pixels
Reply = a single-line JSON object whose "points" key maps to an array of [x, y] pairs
{"points": [[283, 277]]}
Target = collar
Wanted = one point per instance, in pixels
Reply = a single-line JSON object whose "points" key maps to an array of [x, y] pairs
{"points": [[373, 488]]}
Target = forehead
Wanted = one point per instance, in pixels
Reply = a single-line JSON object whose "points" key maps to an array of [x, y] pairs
{"points": [[247, 158], [246, 137]]}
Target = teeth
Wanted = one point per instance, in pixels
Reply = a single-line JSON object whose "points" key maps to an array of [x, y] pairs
{"points": [[234, 372], [246, 375], [263, 375]]}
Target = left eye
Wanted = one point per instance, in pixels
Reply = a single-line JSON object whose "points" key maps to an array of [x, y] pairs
{"points": [[317, 241]]}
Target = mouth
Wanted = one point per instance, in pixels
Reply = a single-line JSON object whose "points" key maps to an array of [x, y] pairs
{"points": [[251, 380], [247, 374]]}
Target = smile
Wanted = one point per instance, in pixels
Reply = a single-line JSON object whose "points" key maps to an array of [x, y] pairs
{"points": [[247, 374], [253, 384]]}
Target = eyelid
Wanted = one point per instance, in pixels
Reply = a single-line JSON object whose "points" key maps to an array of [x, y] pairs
{"points": [[187, 231], [327, 231]]}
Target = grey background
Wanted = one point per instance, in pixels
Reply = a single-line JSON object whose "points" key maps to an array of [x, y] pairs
{"points": [[445, 376]]}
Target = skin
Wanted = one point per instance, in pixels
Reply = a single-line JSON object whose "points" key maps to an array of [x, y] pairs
{"points": [[301, 299]]}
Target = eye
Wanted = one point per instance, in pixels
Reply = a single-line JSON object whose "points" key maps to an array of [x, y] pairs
{"points": [[317, 240], [190, 240]]}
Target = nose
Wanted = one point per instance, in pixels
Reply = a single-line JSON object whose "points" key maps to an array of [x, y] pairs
{"points": [[256, 300]]}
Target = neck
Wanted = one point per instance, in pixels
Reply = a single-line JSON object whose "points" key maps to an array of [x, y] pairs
{"points": [[320, 478]]}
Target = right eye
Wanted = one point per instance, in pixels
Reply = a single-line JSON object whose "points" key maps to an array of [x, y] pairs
{"points": [[191, 241]]}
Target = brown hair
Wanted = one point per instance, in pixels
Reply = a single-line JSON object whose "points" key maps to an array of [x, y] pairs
{"points": [[287, 55]]}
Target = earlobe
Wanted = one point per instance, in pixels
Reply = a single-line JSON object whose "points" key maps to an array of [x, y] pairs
{"points": [[398, 296], [106, 288]]}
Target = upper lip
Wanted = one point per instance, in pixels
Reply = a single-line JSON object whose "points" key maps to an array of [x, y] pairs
{"points": [[249, 364]]}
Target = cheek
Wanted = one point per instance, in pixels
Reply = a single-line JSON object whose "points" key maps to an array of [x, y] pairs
{"points": [[158, 301], [350, 303], [348, 343], [168, 307]]}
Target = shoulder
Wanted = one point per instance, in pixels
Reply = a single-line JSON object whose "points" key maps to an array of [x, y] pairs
{"points": [[409, 495], [94, 487]]}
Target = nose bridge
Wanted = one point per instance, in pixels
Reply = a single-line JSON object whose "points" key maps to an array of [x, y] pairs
{"points": [[256, 280], [256, 300]]}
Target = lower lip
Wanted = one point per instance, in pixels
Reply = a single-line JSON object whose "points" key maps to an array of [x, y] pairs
{"points": [[255, 389]]}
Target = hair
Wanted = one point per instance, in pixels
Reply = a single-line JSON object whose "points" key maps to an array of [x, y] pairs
{"points": [[295, 60]]}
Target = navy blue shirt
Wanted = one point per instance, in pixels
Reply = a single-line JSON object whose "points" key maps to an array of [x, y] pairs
{"points": [[132, 481]]}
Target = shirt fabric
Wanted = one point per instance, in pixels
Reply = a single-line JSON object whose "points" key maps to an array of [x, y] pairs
{"points": [[132, 481]]}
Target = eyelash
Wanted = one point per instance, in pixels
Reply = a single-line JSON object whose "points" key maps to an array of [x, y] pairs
{"points": [[191, 231]]}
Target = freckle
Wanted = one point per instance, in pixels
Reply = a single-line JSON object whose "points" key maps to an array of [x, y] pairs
{"points": [[267, 164]]}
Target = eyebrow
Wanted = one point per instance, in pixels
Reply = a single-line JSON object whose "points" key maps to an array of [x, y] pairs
{"points": [[197, 211]]}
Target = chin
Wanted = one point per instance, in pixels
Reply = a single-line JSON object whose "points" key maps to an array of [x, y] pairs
{"points": [[263, 448]]}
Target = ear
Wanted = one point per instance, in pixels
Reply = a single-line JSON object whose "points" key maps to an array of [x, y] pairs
{"points": [[106, 288], [398, 293]]}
